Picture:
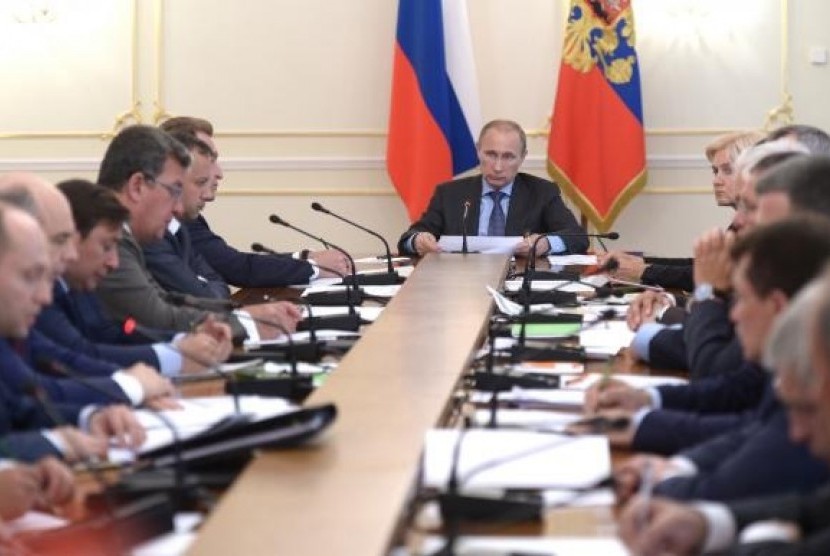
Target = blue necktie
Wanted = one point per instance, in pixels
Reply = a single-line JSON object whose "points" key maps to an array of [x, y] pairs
{"points": [[495, 227]]}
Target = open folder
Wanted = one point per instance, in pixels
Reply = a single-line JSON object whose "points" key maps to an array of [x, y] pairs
{"points": [[288, 429], [211, 427]]}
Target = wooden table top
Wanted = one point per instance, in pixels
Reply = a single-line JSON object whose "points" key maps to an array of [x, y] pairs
{"points": [[344, 494]]}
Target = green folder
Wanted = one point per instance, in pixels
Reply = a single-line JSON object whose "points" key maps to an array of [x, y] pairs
{"points": [[547, 330]]}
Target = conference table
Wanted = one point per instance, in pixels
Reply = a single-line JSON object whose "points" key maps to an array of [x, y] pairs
{"points": [[351, 491]]}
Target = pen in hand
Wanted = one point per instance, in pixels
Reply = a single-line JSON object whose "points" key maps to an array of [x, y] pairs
{"points": [[645, 492]]}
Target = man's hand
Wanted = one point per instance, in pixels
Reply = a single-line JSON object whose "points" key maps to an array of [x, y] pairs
{"points": [[333, 259], [283, 313], [713, 264], [20, 486], [629, 475], [522, 249], [200, 351], [615, 424], [425, 242], [615, 395], [631, 266], [659, 527], [78, 445], [645, 307], [119, 423], [56, 480], [216, 329], [152, 383]]}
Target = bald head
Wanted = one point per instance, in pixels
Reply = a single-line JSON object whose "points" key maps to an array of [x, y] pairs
{"points": [[54, 213]]}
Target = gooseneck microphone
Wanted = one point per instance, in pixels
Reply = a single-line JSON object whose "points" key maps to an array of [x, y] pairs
{"points": [[350, 321], [353, 292], [390, 277], [465, 216]]}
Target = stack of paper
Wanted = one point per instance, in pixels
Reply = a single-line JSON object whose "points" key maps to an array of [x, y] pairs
{"points": [[499, 459]]}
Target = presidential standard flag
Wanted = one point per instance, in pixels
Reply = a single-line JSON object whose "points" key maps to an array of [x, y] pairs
{"points": [[596, 148], [435, 110]]}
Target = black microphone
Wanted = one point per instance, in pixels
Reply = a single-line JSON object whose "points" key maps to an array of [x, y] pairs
{"points": [[295, 387], [390, 277], [350, 321], [355, 294], [464, 217]]}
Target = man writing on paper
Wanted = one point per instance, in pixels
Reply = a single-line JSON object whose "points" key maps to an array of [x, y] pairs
{"points": [[500, 201]]}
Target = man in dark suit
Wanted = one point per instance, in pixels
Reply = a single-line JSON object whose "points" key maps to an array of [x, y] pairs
{"points": [[782, 525], [247, 270], [145, 168], [771, 264], [500, 201], [76, 319], [25, 285]]}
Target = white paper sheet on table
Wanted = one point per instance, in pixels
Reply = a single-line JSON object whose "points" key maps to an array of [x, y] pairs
{"points": [[34, 521], [583, 382], [482, 244], [380, 259], [607, 337], [561, 399], [498, 459], [547, 285], [323, 334], [550, 367], [196, 416], [376, 291], [369, 312], [565, 260], [537, 546], [513, 309]]}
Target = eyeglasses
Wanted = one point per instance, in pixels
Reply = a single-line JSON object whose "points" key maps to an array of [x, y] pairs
{"points": [[173, 189], [494, 157]]}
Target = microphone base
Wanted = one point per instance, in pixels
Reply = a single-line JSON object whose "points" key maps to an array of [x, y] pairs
{"points": [[310, 352], [295, 389], [530, 353], [383, 279], [551, 275], [566, 299], [350, 322], [500, 382], [346, 297], [512, 507], [112, 533]]}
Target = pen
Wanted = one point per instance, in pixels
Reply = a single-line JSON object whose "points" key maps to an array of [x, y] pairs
{"points": [[646, 490]]}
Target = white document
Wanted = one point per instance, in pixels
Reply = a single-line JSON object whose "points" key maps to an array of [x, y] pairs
{"points": [[491, 245], [380, 259], [607, 337], [513, 309], [536, 546], [535, 419], [303, 368], [197, 415], [304, 336], [547, 285], [369, 313], [34, 521], [174, 543], [585, 381], [565, 260], [571, 400], [499, 459], [550, 367]]}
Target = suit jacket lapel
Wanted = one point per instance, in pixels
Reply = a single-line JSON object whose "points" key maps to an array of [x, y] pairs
{"points": [[519, 210]]}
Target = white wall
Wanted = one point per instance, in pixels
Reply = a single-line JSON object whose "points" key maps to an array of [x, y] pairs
{"points": [[299, 93]]}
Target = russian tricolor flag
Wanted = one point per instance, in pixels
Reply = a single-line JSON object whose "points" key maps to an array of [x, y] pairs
{"points": [[435, 111]]}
